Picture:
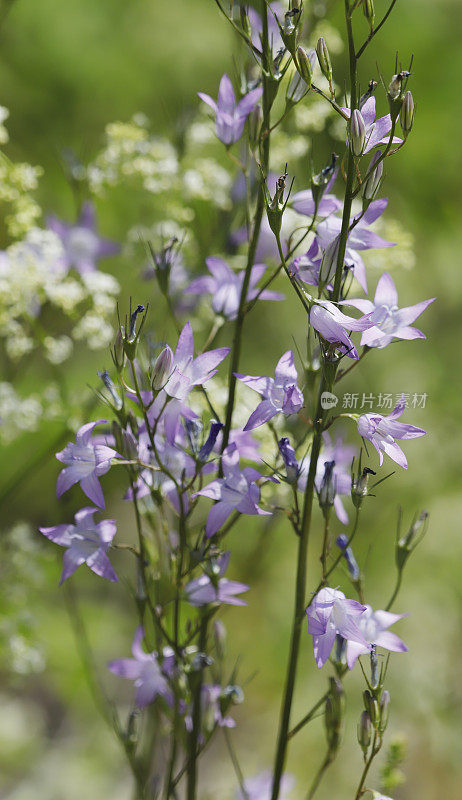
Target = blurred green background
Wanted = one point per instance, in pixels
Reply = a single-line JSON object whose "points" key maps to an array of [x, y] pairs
{"points": [[66, 70]]}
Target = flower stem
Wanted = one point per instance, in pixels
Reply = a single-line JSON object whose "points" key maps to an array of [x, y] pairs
{"points": [[300, 587], [265, 147], [196, 719]]}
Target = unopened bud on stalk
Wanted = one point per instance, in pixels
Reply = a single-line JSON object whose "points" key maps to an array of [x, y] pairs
{"points": [[304, 67], [162, 368], [194, 429], [353, 569], [319, 182], [359, 486], [369, 11], [407, 113], [407, 543], [290, 460], [364, 732], [324, 59], [245, 22], [328, 488], [372, 707], [357, 133], [132, 327], [110, 386], [289, 29], [118, 352], [395, 95], [209, 444], [372, 184], [129, 446], [384, 710]]}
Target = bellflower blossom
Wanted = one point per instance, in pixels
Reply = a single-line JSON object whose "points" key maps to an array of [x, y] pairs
{"points": [[373, 625], [260, 787], [237, 490], [86, 542], [281, 394], [230, 116], [327, 319], [204, 590], [173, 458], [187, 371], [387, 320], [329, 614], [83, 247], [86, 462], [377, 131], [382, 431], [225, 286], [144, 669], [360, 238]]}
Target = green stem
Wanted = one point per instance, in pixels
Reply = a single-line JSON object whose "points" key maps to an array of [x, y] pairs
{"points": [[396, 590], [196, 719], [308, 717], [300, 587], [319, 775], [376, 745], [239, 324]]}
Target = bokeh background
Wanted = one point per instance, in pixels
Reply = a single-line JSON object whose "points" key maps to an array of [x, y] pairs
{"points": [[66, 70]]}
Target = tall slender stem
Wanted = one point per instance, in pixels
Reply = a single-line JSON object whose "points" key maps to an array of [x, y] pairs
{"points": [[196, 719], [264, 155], [300, 586]]}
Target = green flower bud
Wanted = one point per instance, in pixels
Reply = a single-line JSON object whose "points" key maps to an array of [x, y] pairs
{"points": [[304, 67], [369, 11], [324, 59], [407, 113], [357, 133], [372, 185], [162, 369], [384, 710], [364, 732]]}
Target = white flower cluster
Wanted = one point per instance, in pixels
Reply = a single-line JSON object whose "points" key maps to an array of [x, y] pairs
{"points": [[31, 278], [19, 414], [132, 152]]}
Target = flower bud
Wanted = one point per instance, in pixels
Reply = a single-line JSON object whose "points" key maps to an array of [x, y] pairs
{"points": [[118, 352], [129, 446], [207, 447], [290, 460], [245, 22], [110, 386], [359, 485], [194, 429], [353, 569], [304, 66], [328, 488], [372, 185], [324, 59], [384, 710], [369, 11], [275, 206], [407, 113], [407, 543], [364, 732], [162, 368], [372, 707], [357, 133], [289, 29], [395, 96]]}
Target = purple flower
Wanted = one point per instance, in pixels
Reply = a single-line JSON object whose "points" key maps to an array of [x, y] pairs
{"points": [[307, 267], [373, 625], [377, 131], [82, 245], [188, 371], [86, 461], [329, 614], [387, 320], [274, 34], [86, 542], [236, 490], [347, 552], [382, 431], [204, 590], [260, 786], [342, 456], [360, 238], [230, 116], [290, 460], [144, 669], [172, 458], [327, 319], [225, 286], [280, 394]]}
